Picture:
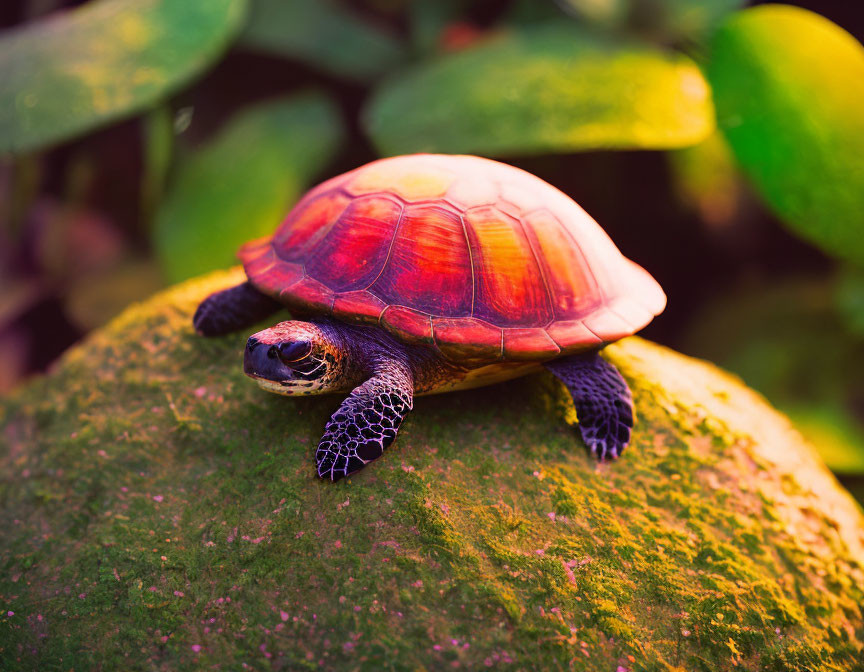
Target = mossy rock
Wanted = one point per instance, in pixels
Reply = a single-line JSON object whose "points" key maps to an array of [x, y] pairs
{"points": [[160, 512]]}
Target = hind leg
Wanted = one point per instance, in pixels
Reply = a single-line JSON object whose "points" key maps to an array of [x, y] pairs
{"points": [[604, 405], [233, 309]]}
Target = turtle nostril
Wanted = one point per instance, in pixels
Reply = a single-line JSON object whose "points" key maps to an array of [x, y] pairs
{"points": [[273, 352], [252, 343]]}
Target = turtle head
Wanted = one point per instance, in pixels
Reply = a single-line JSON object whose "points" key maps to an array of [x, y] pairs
{"points": [[296, 358]]}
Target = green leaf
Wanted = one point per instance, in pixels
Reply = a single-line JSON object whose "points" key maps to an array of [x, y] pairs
{"points": [[789, 90], [549, 88], [241, 184], [322, 33], [80, 69]]}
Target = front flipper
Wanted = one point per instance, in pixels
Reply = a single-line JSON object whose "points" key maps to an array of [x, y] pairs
{"points": [[233, 309], [604, 405], [367, 421]]}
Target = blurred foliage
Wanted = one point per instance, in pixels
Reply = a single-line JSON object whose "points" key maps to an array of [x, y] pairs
{"points": [[788, 342], [158, 145], [666, 20], [77, 70], [324, 33], [789, 91], [707, 179], [545, 89], [849, 299], [224, 194]]}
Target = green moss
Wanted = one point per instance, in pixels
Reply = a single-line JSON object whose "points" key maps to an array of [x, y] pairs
{"points": [[161, 512]]}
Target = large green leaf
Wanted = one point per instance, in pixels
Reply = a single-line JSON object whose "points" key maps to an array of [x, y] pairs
{"points": [[240, 185], [76, 70], [323, 33], [789, 90], [550, 88]]}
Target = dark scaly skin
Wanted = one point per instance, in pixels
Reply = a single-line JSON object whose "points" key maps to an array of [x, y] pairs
{"points": [[383, 375], [604, 405], [233, 309]]}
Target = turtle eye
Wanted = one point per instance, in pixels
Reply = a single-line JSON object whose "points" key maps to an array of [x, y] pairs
{"points": [[293, 352]]}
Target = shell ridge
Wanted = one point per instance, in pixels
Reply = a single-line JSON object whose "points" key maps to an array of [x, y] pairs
{"points": [[596, 335], [471, 259], [389, 250]]}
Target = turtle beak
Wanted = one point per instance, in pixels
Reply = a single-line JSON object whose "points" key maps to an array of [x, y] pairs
{"points": [[261, 360]]}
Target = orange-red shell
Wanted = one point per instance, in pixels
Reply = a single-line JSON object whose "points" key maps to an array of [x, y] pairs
{"points": [[481, 259]]}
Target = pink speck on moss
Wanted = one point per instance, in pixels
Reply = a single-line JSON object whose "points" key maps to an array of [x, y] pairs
{"points": [[157, 498], [338, 544], [551, 515], [284, 615], [82, 596], [196, 648], [200, 392], [10, 613], [178, 593]]}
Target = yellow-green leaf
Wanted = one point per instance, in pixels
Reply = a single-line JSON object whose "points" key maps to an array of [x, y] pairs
{"points": [[76, 70], [789, 90], [545, 89], [241, 184]]}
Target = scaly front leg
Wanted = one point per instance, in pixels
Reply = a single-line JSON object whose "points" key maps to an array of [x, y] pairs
{"points": [[367, 421]]}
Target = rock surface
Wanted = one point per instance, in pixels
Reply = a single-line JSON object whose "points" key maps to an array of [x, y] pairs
{"points": [[160, 512]]}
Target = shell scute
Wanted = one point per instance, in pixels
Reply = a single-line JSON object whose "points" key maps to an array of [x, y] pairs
{"points": [[573, 336], [408, 324], [429, 267], [308, 223], [572, 287], [353, 253], [532, 343], [468, 339], [360, 306], [309, 295], [510, 289]]}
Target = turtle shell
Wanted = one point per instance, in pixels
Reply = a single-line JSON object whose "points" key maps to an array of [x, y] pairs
{"points": [[482, 260]]}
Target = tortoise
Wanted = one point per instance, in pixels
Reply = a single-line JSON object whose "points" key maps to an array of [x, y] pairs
{"points": [[429, 273]]}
